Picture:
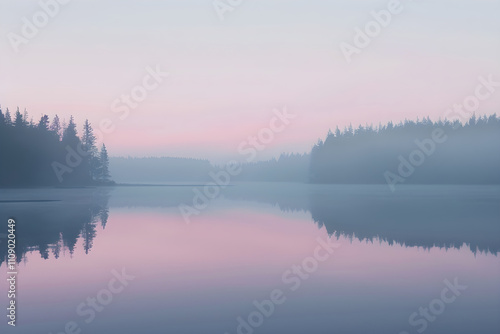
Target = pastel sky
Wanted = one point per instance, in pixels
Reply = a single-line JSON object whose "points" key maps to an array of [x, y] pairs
{"points": [[226, 76]]}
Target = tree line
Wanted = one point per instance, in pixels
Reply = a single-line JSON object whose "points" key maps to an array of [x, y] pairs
{"points": [[48, 153], [288, 167], [465, 153]]}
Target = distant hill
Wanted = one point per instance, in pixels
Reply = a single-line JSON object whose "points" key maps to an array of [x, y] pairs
{"points": [[287, 168], [159, 169]]}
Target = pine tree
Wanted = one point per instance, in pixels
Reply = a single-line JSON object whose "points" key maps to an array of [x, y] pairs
{"points": [[55, 127], [2, 118], [104, 215], [25, 116], [337, 132], [350, 130], [88, 139], [8, 118], [88, 234], [19, 121], [472, 120], [104, 174], [88, 145], [70, 136], [43, 124]]}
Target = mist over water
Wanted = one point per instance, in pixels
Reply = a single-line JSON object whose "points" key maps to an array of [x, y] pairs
{"points": [[395, 251], [249, 167]]}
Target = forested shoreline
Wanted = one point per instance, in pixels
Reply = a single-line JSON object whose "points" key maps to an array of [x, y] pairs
{"points": [[416, 152], [407, 152], [49, 153]]}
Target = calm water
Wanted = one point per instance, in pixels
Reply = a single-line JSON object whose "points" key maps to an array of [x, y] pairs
{"points": [[335, 259]]}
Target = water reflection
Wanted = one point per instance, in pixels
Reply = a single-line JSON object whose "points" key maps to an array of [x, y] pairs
{"points": [[199, 278], [54, 225], [51, 221], [423, 216]]}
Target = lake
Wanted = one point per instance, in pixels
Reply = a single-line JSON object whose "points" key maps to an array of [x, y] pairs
{"points": [[259, 258]]}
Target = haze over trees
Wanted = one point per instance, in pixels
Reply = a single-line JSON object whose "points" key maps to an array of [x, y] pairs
{"points": [[286, 168], [403, 153], [159, 169], [45, 153], [55, 153], [421, 152]]}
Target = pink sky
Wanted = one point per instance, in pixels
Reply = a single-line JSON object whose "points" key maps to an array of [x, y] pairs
{"points": [[225, 77]]}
